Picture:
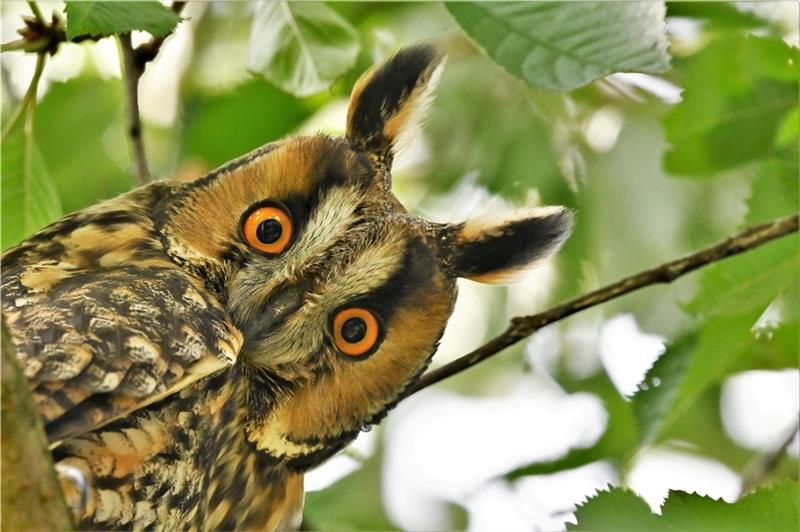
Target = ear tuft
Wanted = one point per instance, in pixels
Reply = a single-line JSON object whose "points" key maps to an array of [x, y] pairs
{"points": [[390, 97], [497, 250]]}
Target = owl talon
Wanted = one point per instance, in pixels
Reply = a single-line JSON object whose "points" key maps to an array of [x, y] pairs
{"points": [[75, 488]]}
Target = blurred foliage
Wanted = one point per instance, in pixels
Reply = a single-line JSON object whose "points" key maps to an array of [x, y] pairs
{"points": [[734, 85], [774, 508], [616, 149]]}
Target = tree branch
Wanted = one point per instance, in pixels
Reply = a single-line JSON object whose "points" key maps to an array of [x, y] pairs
{"points": [[31, 494], [131, 74], [764, 465], [522, 327], [133, 64]]}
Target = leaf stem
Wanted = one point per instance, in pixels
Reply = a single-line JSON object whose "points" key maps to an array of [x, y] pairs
{"points": [[522, 327], [30, 112], [29, 100]]}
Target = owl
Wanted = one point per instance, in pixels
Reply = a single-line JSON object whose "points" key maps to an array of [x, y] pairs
{"points": [[194, 348]]}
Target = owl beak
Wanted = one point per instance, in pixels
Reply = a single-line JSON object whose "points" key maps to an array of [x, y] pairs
{"points": [[284, 302]]}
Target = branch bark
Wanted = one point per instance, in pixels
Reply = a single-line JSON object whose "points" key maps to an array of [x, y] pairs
{"points": [[522, 327], [133, 65], [764, 465], [31, 494], [131, 74]]}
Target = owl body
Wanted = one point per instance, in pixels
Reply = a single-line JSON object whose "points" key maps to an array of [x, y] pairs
{"points": [[194, 348]]}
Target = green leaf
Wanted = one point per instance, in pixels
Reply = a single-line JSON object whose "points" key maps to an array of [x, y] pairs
{"points": [[29, 201], [617, 509], [789, 130], [565, 45], [658, 391], [301, 47], [737, 92], [108, 18], [748, 282], [774, 191], [773, 508], [722, 345]]}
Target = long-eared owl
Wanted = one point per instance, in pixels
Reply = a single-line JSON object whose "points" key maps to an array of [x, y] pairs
{"points": [[194, 348]]}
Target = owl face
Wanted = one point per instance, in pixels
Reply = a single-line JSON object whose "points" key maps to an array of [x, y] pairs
{"points": [[340, 294]]}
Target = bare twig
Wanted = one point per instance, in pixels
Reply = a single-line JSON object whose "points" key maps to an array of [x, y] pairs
{"points": [[133, 64], [764, 465], [131, 74], [27, 101], [522, 327]]}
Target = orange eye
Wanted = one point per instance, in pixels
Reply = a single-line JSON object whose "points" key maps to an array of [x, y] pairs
{"points": [[355, 331], [268, 229]]}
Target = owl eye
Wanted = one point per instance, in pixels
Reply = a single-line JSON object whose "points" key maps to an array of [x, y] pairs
{"points": [[356, 331], [268, 229]]}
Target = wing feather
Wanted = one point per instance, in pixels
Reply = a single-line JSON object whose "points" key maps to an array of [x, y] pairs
{"points": [[103, 321]]}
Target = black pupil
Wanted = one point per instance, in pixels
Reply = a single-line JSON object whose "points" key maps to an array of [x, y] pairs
{"points": [[354, 330], [269, 231]]}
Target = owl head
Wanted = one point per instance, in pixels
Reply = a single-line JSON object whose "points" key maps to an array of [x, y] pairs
{"points": [[340, 293]]}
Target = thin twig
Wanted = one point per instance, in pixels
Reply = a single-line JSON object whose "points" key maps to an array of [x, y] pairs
{"points": [[133, 64], [522, 327], [29, 100], [131, 75], [764, 465]]}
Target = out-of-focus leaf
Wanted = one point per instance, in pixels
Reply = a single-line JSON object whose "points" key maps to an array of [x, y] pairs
{"points": [[738, 89], [352, 503], [789, 130], [702, 430], [617, 509], [223, 126], [722, 15], [723, 346], [29, 201], [80, 132], [301, 47], [107, 18], [748, 282], [658, 390], [774, 191], [509, 148], [772, 508], [774, 347], [565, 45]]}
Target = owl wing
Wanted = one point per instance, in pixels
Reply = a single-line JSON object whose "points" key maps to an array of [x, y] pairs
{"points": [[98, 344]]}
